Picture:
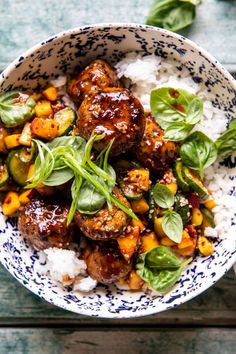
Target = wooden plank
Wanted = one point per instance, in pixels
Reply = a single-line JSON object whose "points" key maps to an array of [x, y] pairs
{"points": [[168, 341], [25, 23], [20, 307]]}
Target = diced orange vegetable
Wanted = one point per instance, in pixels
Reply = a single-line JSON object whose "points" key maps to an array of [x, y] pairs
{"points": [[31, 171], [140, 206], [128, 243], [197, 217], [172, 187], [43, 109], [205, 223], [10, 204], [140, 178], [51, 93], [210, 204], [26, 137], [148, 241], [170, 181], [44, 128], [45, 190], [134, 281], [205, 246], [12, 141], [36, 96], [158, 227], [166, 241], [186, 241], [139, 224], [26, 196], [3, 135]]}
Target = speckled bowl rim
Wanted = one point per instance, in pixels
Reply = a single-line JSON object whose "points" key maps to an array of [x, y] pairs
{"points": [[11, 67]]}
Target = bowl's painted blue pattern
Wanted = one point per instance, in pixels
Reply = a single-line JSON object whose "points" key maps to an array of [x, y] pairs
{"points": [[62, 54]]}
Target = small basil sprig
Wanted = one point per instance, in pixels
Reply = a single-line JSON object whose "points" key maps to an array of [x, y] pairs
{"points": [[172, 14], [69, 157], [226, 143], [198, 152], [172, 223], [16, 108], [176, 111], [160, 268]]}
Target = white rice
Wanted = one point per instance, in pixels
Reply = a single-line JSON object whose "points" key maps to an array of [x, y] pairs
{"points": [[141, 75]]}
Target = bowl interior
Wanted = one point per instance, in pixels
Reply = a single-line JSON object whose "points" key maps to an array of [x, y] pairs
{"points": [[62, 54]]}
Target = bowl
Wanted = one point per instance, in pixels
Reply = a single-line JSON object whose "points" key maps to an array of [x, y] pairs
{"points": [[61, 54]]}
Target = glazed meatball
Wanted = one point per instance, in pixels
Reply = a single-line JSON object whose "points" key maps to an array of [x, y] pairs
{"points": [[97, 75], [43, 224], [154, 151], [104, 225], [116, 113], [106, 264]]}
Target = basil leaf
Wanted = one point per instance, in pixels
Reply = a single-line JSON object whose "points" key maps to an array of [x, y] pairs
{"points": [[59, 177], [172, 225], [169, 105], [160, 268], [226, 143], [16, 108], [90, 200], [232, 124], [178, 131], [75, 142], [172, 14], [198, 152], [162, 258], [195, 111], [163, 196]]}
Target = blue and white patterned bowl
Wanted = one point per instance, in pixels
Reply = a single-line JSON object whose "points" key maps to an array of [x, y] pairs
{"points": [[61, 54]]}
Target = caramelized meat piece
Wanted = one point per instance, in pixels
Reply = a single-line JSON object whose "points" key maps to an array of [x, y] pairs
{"points": [[104, 225], [106, 264], [155, 152], [97, 75], [43, 224], [116, 113]]}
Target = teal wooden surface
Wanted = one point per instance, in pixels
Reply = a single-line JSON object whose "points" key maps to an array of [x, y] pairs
{"points": [[28, 324], [105, 340], [23, 23]]}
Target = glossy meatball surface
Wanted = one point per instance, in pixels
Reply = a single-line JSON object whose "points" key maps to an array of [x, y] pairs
{"points": [[105, 225], [116, 113], [106, 264], [43, 224], [97, 75], [154, 151]]}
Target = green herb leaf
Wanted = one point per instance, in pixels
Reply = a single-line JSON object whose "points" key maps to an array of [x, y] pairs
{"points": [[16, 108], [172, 14], [162, 196], [59, 177], [226, 143], [178, 131], [171, 106], [232, 124], [162, 258], [182, 207], [198, 152], [172, 225], [160, 268]]}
